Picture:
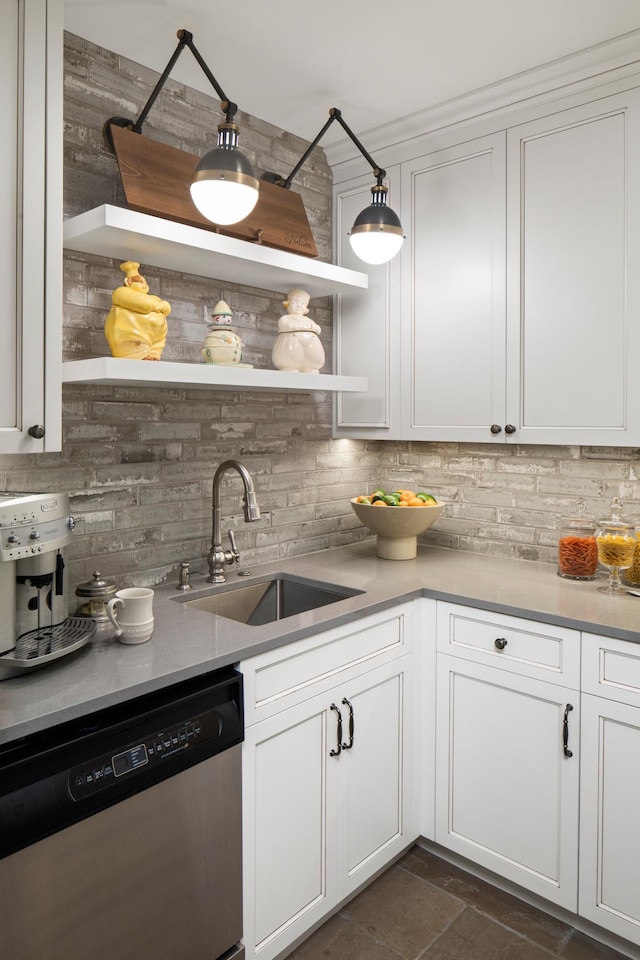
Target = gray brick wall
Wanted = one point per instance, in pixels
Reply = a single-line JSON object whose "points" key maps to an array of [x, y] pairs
{"points": [[139, 463]]}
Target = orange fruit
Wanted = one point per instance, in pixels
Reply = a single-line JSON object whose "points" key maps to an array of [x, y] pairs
{"points": [[415, 502], [407, 495], [380, 503]]}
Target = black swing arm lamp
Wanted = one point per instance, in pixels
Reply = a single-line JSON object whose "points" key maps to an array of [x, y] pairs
{"points": [[225, 186], [376, 235]]}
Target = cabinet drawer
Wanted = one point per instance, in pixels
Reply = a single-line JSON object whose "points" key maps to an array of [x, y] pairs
{"points": [[611, 668], [521, 646], [281, 678]]}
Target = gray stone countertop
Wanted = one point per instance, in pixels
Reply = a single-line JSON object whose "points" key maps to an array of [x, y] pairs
{"points": [[188, 642]]}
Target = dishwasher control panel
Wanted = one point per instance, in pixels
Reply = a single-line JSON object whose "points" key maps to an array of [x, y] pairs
{"points": [[101, 772]]}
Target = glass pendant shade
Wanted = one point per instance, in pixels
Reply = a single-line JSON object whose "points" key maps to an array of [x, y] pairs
{"points": [[225, 188], [377, 235]]}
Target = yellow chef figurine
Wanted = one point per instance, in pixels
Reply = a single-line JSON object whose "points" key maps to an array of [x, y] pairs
{"points": [[297, 347], [136, 325]]}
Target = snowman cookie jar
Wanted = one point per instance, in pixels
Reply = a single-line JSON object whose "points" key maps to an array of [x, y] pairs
{"points": [[222, 345]]}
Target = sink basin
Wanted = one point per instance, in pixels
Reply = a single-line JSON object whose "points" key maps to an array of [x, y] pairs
{"points": [[268, 599]]}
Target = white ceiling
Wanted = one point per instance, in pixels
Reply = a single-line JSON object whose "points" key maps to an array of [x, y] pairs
{"points": [[289, 61]]}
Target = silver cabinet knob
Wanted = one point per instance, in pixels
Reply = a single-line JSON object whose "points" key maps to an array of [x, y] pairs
{"points": [[37, 431]]}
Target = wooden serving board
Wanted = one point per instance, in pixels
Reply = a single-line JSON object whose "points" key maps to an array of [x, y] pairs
{"points": [[156, 180]]}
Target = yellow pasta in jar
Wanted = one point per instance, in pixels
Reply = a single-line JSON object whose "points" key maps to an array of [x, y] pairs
{"points": [[615, 551]]}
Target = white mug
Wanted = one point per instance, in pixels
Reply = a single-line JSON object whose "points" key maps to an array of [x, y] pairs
{"points": [[134, 623]]}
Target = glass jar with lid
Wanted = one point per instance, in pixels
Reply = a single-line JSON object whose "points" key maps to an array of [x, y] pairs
{"points": [[577, 548], [631, 575], [616, 540]]}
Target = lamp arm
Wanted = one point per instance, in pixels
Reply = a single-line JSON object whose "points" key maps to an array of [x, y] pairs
{"points": [[334, 114], [287, 183], [185, 39], [378, 172], [226, 105]]}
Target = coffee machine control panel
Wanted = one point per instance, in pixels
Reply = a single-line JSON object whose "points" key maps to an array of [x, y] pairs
{"points": [[27, 540], [32, 524]]}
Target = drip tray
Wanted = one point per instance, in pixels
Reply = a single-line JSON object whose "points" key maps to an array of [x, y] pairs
{"points": [[37, 648]]}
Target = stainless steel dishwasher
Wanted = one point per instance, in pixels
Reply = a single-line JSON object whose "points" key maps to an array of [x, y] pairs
{"points": [[120, 834]]}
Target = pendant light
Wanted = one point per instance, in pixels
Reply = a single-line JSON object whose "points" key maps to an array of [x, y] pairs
{"points": [[377, 234], [225, 187]]}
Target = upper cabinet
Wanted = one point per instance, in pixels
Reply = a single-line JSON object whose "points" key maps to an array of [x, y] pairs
{"points": [[573, 291], [30, 224], [453, 292], [517, 296]]}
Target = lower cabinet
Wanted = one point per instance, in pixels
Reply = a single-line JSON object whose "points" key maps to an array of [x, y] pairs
{"points": [[534, 765], [610, 786], [507, 757], [327, 787], [507, 795]]}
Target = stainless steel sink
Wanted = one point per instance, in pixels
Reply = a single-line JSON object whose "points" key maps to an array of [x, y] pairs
{"points": [[268, 599]]}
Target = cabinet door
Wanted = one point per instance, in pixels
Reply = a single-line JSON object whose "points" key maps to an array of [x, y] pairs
{"points": [[30, 223], [453, 323], [572, 280], [366, 325], [506, 794], [610, 825], [374, 793], [318, 819], [289, 784]]}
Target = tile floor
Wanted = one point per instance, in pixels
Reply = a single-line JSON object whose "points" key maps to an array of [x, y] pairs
{"points": [[423, 907]]}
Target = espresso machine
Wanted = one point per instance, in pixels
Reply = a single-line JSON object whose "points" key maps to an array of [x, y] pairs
{"points": [[35, 628]]}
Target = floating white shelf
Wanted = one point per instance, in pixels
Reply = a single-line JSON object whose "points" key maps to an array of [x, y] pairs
{"points": [[138, 373], [109, 231]]}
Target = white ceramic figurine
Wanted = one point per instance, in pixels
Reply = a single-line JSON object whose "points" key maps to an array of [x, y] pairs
{"points": [[297, 347]]}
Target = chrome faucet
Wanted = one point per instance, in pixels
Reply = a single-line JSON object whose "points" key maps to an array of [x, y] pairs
{"points": [[217, 556]]}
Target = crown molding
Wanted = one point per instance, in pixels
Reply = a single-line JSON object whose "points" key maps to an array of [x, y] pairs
{"points": [[600, 64]]}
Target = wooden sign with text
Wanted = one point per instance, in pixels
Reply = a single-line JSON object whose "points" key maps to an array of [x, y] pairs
{"points": [[156, 180]]}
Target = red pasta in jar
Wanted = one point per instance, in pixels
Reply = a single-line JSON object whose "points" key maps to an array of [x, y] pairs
{"points": [[577, 557]]}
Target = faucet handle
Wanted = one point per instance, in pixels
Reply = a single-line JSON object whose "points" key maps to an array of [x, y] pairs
{"points": [[183, 577], [234, 549]]}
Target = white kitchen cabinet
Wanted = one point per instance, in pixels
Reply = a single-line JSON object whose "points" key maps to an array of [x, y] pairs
{"points": [[573, 291], [610, 786], [453, 288], [323, 812], [507, 757], [31, 225], [518, 295]]}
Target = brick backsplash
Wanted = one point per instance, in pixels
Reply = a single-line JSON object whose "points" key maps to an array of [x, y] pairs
{"points": [[139, 463]]}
